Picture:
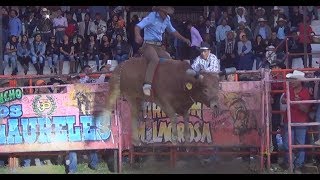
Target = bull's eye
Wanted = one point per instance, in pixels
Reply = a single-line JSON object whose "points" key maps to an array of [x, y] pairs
{"points": [[205, 91]]}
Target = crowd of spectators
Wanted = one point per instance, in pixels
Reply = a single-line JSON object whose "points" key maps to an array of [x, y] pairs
{"points": [[48, 36]]}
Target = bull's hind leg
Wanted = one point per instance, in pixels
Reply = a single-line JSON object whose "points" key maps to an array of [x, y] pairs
{"points": [[136, 115], [187, 134], [174, 136]]}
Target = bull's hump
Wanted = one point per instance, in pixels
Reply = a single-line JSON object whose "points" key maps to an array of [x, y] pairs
{"points": [[175, 64]]}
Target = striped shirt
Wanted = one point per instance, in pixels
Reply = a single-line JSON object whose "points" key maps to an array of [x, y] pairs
{"points": [[211, 64]]}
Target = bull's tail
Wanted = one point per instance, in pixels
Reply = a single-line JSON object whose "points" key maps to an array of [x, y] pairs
{"points": [[111, 98], [114, 91]]}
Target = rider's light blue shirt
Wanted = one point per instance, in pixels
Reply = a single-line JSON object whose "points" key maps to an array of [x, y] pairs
{"points": [[154, 26]]}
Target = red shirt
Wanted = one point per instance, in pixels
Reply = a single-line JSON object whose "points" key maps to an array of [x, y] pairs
{"points": [[297, 115], [308, 33]]}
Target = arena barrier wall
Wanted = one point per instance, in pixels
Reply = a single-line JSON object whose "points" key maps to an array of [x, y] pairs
{"points": [[70, 120], [55, 122], [239, 122]]}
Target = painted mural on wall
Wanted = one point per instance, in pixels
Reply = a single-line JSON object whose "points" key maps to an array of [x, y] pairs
{"points": [[238, 122], [71, 120], [55, 122]]}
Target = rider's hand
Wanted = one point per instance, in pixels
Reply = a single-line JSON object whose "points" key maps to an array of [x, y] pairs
{"points": [[188, 42], [138, 39]]}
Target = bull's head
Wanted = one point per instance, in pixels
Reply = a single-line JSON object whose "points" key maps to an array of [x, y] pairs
{"points": [[207, 87]]}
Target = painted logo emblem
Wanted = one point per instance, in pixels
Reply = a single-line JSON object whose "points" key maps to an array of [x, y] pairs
{"points": [[44, 105]]}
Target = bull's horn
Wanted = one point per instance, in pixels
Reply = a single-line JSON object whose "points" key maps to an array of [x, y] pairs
{"points": [[191, 72], [228, 71], [201, 77]]}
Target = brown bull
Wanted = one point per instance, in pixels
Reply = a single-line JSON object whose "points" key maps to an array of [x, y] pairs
{"points": [[174, 90]]}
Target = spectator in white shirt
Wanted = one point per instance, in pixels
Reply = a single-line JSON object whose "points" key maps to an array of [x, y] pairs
{"points": [[206, 61], [221, 33], [60, 24]]}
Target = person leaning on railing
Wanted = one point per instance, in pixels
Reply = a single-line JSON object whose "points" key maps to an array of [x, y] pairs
{"points": [[299, 114]]}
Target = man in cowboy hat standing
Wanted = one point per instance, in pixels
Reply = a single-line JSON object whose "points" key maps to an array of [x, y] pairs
{"points": [[282, 29], [154, 26], [206, 61], [262, 29], [44, 25], [258, 13], [299, 114]]}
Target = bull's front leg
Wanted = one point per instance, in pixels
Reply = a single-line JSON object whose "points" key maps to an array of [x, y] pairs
{"points": [[174, 136], [170, 112], [135, 115], [186, 118]]}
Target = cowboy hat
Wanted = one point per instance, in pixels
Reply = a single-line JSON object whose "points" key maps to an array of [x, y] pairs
{"points": [[269, 48], [276, 8], [281, 19], [166, 9], [281, 10], [260, 9], [261, 20], [232, 32], [40, 82], [204, 46], [296, 75], [241, 7]]}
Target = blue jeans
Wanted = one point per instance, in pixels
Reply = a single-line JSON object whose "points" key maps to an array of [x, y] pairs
{"points": [[245, 62], [298, 136], [96, 58], [35, 59], [52, 60], [66, 58], [59, 36], [73, 166], [13, 59], [258, 62], [121, 58]]}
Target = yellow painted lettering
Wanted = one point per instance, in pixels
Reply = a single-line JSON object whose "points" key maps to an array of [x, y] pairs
{"points": [[191, 132], [206, 133], [142, 131], [165, 131], [197, 131], [180, 132]]}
